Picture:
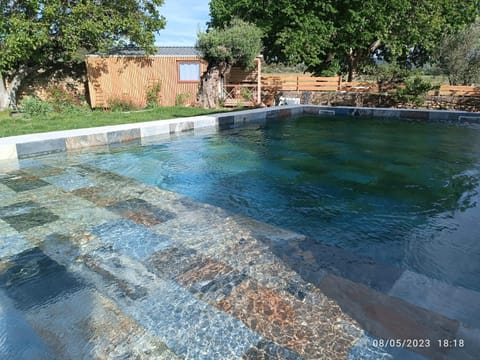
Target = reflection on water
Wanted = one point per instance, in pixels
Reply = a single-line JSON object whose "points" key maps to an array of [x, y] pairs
{"points": [[403, 193]]}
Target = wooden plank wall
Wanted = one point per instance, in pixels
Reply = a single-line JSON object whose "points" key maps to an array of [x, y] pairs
{"points": [[128, 78]]}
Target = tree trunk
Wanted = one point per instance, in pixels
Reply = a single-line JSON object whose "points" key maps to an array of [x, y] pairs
{"points": [[211, 85], [8, 94], [4, 96], [353, 59], [209, 88]]}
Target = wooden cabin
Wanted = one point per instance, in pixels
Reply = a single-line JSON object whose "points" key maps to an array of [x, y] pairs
{"points": [[172, 75]]}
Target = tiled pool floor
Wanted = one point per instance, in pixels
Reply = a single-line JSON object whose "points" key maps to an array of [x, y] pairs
{"points": [[96, 265]]}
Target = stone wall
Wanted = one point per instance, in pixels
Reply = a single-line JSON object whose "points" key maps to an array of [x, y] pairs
{"points": [[72, 80], [465, 103]]}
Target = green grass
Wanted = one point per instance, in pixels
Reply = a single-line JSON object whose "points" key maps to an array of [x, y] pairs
{"points": [[18, 125]]}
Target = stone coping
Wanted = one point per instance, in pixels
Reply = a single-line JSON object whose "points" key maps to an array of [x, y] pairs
{"points": [[23, 146]]}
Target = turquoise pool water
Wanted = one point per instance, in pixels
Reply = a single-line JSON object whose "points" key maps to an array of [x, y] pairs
{"points": [[399, 192]]}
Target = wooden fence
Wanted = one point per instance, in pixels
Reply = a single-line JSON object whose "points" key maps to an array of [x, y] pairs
{"points": [[454, 90], [292, 82]]}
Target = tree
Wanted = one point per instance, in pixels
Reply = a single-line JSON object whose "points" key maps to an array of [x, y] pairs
{"points": [[41, 35], [238, 43], [344, 34], [458, 55]]}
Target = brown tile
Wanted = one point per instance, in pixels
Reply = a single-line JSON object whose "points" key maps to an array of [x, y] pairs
{"points": [[204, 271], [313, 329], [211, 281], [96, 195], [141, 212], [79, 142], [171, 262]]}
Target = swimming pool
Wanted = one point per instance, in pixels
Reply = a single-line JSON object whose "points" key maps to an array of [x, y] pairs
{"points": [[224, 244], [403, 193]]}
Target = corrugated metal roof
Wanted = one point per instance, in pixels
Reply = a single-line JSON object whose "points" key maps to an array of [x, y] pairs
{"points": [[161, 51]]}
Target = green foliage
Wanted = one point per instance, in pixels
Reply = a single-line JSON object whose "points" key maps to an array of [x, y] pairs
{"points": [[48, 34], [246, 94], [414, 91], [324, 34], [152, 95], [46, 31], [390, 73], [182, 99], [33, 107], [120, 105], [458, 55], [62, 99], [278, 68], [238, 43]]}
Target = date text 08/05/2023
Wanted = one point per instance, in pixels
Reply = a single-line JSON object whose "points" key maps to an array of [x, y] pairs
{"points": [[419, 343]]}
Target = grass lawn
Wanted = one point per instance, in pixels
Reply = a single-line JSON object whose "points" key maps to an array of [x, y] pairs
{"points": [[18, 125]]}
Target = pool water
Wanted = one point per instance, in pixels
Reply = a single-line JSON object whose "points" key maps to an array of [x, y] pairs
{"points": [[303, 238], [399, 192]]}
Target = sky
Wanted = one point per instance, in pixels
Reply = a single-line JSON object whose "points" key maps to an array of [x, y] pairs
{"points": [[184, 19]]}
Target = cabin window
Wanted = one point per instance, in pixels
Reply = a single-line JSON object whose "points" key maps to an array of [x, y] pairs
{"points": [[189, 71]]}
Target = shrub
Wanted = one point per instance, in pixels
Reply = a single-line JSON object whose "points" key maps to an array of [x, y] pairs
{"points": [[34, 107], [388, 76], [246, 94], [182, 99], [152, 95], [415, 90], [61, 99], [118, 105]]}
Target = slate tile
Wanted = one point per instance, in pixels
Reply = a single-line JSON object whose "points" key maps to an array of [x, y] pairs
{"points": [[312, 260], [388, 317], [40, 147], [141, 212], [171, 262], [364, 348], [88, 325], [11, 245], [267, 349], [26, 215], [191, 328], [211, 280], [20, 181], [121, 136], [34, 279], [451, 301], [18, 208], [130, 238], [40, 170], [182, 126], [307, 328], [69, 181], [96, 194], [226, 122]]}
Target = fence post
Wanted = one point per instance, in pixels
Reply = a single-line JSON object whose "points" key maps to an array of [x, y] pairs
{"points": [[340, 82]]}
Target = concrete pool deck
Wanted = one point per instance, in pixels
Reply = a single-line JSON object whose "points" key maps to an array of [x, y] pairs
{"points": [[18, 147]]}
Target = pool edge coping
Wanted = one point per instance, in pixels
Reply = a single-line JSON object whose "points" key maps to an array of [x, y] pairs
{"points": [[18, 147]]}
